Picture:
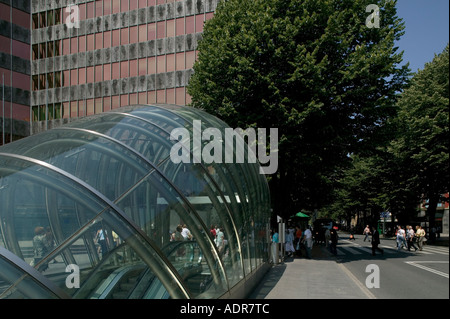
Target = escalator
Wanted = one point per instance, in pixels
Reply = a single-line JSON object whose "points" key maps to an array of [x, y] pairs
{"points": [[120, 276]]}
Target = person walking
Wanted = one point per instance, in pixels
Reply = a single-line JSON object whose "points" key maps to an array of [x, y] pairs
{"points": [[39, 248], [101, 238], [334, 241], [177, 236], [289, 245], [366, 232], [308, 240], [410, 234], [376, 241], [220, 241], [186, 233], [401, 241], [275, 241], [298, 241], [327, 237], [420, 234]]}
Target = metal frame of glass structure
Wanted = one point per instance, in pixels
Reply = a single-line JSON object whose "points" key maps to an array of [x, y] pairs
{"points": [[103, 194]]}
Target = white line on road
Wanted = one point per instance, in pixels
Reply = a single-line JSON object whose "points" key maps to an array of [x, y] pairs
{"points": [[434, 271], [351, 250], [363, 288], [436, 250]]}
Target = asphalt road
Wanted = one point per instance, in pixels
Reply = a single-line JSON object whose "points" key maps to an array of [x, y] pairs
{"points": [[396, 274]]}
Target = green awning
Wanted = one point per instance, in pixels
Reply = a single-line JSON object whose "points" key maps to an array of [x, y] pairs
{"points": [[301, 215]]}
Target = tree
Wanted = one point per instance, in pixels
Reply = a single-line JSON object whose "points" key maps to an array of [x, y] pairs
{"points": [[310, 68], [422, 143]]}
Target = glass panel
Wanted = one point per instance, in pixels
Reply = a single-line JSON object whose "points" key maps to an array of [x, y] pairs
{"points": [[124, 36], [14, 284], [134, 37], [82, 43], [151, 31], [107, 72], [89, 158], [43, 209], [115, 38], [133, 69], [158, 209], [107, 39], [143, 33]]}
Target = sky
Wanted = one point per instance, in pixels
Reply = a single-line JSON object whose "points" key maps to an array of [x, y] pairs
{"points": [[426, 30]]}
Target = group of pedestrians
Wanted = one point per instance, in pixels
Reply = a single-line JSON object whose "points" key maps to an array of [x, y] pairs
{"points": [[407, 238], [296, 240], [181, 233]]}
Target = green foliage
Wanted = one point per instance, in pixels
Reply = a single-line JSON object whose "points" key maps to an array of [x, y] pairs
{"points": [[310, 68], [411, 162], [421, 147]]}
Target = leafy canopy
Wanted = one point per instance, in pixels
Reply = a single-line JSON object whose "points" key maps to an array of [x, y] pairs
{"points": [[312, 69]]}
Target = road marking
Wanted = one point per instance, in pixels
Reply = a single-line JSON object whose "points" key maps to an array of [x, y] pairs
{"points": [[393, 250], [428, 250], [363, 288], [434, 271], [351, 250], [435, 250]]}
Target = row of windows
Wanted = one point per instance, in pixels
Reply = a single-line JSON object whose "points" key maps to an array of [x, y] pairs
{"points": [[88, 107], [114, 71], [91, 10], [108, 39]]}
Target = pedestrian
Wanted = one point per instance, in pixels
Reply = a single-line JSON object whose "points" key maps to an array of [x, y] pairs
{"points": [[298, 241], [186, 233], [327, 237], [289, 245], [220, 240], [334, 241], [212, 232], [308, 242], [420, 235], [410, 235], [366, 232], [352, 235], [275, 241], [39, 248], [401, 238], [376, 241], [176, 235], [101, 238]]}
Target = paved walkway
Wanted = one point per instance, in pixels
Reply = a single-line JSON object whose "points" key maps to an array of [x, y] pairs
{"points": [[318, 278]]}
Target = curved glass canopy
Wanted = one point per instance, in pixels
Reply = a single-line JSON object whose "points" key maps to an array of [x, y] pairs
{"points": [[95, 209]]}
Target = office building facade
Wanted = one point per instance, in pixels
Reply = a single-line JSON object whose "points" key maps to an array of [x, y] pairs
{"points": [[87, 57], [15, 71]]}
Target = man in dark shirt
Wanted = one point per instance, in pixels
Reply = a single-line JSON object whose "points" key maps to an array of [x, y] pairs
{"points": [[334, 240], [376, 241]]}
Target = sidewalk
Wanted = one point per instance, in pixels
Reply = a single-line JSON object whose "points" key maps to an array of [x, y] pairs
{"points": [[318, 278]]}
